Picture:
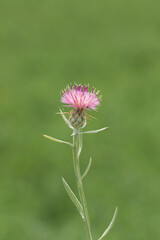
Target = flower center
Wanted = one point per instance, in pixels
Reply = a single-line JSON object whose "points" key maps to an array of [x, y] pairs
{"points": [[78, 118]]}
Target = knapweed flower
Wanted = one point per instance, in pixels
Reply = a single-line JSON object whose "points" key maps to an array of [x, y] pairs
{"points": [[80, 99]]}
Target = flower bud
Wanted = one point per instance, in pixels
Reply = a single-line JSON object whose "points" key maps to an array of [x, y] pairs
{"points": [[78, 118]]}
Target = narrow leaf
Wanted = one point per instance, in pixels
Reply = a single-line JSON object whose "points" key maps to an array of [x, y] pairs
{"points": [[66, 120], [80, 144], [88, 167], [73, 198], [57, 140], [110, 225], [95, 131]]}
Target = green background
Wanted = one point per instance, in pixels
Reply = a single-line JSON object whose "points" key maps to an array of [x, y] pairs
{"points": [[114, 46]]}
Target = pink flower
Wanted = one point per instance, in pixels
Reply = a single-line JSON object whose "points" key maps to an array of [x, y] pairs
{"points": [[80, 97]]}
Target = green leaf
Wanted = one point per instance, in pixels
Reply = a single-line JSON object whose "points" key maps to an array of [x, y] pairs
{"points": [[73, 198], [57, 140], [80, 137], [88, 167], [110, 225], [66, 120], [95, 131]]}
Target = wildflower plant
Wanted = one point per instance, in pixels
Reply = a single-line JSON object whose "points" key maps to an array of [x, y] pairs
{"points": [[80, 100]]}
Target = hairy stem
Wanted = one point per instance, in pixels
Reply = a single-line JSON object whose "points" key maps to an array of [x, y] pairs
{"points": [[76, 144]]}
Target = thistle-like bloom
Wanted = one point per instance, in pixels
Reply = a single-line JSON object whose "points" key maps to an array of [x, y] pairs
{"points": [[80, 97]]}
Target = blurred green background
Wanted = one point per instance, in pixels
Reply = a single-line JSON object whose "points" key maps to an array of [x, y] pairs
{"points": [[114, 46]]}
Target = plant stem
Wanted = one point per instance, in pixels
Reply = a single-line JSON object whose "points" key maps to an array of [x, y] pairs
{"points": [[76, 145]]}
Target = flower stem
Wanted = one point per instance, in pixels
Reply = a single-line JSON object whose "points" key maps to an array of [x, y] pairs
{"points": [[77, 144]]}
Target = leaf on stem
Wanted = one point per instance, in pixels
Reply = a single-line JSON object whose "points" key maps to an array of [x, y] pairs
{"points": [[87, 169], [80, 144], [73, 198], [94, 131], [66, 120], [110, 225], [57, 140]]}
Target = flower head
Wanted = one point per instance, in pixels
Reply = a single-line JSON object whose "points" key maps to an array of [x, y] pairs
{"points": [[79, 97]]}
